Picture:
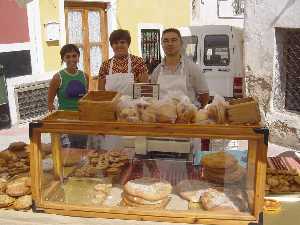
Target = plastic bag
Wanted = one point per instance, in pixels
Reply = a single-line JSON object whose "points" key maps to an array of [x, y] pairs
{"points": [[216, 110], [167, 112], [186, 112]]}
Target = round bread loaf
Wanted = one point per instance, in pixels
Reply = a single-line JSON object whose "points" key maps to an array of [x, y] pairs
{"points": [[147, 188]]}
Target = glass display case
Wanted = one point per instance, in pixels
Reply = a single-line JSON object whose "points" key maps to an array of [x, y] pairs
{"points": [[138, 171]]}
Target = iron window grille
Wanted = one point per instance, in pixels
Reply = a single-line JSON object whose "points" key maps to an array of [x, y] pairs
{"points": [[150, 46]]}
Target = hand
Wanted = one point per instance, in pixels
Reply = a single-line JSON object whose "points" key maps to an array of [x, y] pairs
{"points": [[51, 108]]}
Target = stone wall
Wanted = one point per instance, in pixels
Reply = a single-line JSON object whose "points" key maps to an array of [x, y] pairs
{"points": [[266, 22]]}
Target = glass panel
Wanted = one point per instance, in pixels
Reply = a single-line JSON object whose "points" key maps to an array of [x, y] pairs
{"points": [[94, 26], [75, 27], [216, 50], [95, 60], [80, 64], [152, 173]]}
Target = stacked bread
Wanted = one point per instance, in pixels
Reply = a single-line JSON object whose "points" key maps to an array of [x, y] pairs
{"points": [[14, 160], [102, 190], [146, 192], [16, 193], [221, 167]]}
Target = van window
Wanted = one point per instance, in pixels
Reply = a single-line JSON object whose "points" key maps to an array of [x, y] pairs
{"points": [[190, 47], [216, 50]]}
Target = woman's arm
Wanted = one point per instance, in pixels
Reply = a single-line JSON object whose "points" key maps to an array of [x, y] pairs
{"points": [[52, 91], [102, 73]]}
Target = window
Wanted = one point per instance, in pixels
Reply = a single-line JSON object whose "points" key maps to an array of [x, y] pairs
{"points": [[150, 45], [216, 50], [231, 9], [16, 63], [86, 26], [32, 100], [291, 54]]}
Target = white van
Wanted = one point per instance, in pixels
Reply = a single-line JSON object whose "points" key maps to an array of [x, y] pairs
{"points": [[218, 49]]}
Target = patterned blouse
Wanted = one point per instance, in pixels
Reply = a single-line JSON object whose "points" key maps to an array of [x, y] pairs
{"points": [[121, 66]]}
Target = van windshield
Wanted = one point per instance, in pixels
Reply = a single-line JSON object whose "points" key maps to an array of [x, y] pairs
{"points": [[216, 50]]}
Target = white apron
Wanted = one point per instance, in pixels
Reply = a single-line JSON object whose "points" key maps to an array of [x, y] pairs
{"points": [[172, 82], [120, 82]]}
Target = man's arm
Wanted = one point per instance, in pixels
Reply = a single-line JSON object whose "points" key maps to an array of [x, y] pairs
{"points": [[199, 84]]}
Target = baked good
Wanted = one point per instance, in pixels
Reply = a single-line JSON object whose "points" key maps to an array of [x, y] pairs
{"points": [[271, 205], [17, 146], [230, 177], [6, 200], [3, 183], [201, 116], [148, 114], [129, 114], [166, 113], [186, 112], [216, 200], [104, 186], [18, 187], [192, 190], [141, 201], [218, 160], [99, 198], [151, 189], [22, 203], [161, 205]]}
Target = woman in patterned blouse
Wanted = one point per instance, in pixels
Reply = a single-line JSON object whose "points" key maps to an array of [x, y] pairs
{"points": [[119, 72]]}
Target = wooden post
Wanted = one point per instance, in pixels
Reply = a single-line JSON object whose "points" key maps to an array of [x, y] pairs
{"points": [[251, 169], [260, 181], [57, 157]]}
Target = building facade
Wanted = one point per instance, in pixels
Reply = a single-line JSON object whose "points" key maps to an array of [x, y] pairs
{"points": [[272, 59]]}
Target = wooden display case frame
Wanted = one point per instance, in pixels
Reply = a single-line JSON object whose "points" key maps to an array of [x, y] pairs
{"points": [[68, 122]]}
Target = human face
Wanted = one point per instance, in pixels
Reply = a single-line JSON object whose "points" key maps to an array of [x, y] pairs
{"points": [[71, 59], [120, 48], [171, 44]]}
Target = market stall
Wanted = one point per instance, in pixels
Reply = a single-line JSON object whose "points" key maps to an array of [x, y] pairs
{"points": [[223, 187]]}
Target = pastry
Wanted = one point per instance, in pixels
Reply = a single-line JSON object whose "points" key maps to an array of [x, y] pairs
{"points": [[3, 163], [201, 116], [192, 190], [216, 200], [218, 160], [3, 183], [22, 203], [6, 200], [18, 187], [186, 113], [17, 146], [99, 198], [231, 177], [167, 112], [147, 188], [271, 205], [141, 201], [152, 206]]}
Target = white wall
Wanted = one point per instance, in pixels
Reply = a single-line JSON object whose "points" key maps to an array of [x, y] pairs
{"points": [[206, 13]]}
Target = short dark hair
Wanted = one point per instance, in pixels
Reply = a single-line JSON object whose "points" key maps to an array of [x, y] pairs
{"points": [[118, 35], [67, 49], [172, 30]]}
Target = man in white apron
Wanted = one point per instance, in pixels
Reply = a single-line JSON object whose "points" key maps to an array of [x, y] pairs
{"points": [[176, 73]]}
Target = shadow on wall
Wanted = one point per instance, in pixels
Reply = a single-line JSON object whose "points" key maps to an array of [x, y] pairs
{"points": [[288, 5]]}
